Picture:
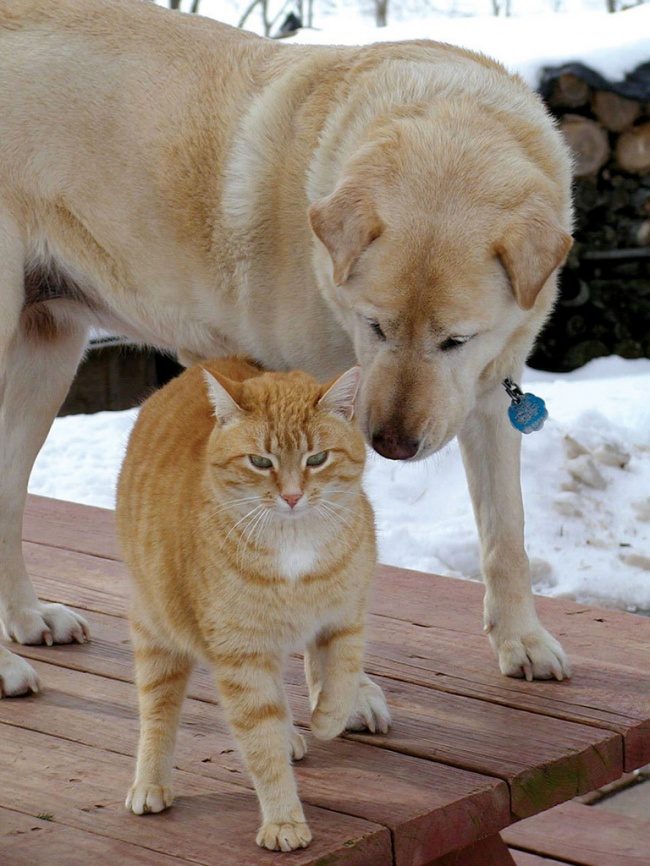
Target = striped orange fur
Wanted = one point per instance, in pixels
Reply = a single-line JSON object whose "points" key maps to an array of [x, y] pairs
{"points": [[239, 564]]}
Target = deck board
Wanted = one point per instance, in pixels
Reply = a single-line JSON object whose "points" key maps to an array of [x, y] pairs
{"points": [[562, 759], [424, 804], [29, 841], [580, 835], [424, 629], [71, 526], [212, 823], [469, 752]]}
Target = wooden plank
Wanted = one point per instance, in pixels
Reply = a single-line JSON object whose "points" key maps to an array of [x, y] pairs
{"points": [[80, 579], [430, 808], [487, 852], [560, 760], [28, 841], [544, 760], [444, 649], [600, 694], [69, 525], [456, 605], [211, 823], [523, 858], [584, 836]]}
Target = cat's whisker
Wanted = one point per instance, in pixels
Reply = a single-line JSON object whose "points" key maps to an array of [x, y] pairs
{"points": [[262, 527], [250, 530], [230, 502], [353, 511], [340, 517], [339, 506], [241, 520], [329, 516]]}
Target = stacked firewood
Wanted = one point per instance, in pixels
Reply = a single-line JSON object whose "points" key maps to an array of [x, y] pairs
{"points": [[604, 305]]}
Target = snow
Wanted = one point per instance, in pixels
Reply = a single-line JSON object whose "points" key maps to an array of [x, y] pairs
{"points": [[585, 543], [611, 44], [531, 39]]}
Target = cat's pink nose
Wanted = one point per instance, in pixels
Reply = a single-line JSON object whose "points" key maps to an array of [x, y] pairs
{"points": [[292, 498]]}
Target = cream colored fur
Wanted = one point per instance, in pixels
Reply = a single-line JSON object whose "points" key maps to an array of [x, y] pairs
{"points": [[209, 192]]}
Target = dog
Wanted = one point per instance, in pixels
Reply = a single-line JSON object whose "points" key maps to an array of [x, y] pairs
{"points": [[404, 206]]}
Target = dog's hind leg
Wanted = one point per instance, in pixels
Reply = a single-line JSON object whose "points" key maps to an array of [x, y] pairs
{"points": [[39, 361]]}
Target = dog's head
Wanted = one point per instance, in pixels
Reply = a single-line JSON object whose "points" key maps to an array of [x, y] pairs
{"points": [[443, 270]]}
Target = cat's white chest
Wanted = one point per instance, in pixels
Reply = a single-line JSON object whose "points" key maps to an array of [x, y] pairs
{"points": [[296, 557]]}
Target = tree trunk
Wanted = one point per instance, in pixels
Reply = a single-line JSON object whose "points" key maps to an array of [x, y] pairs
{"points": [[381, 13], [174, 4]]}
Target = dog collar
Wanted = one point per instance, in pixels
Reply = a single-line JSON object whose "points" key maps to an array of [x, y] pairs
{"points": [[526, 412]]}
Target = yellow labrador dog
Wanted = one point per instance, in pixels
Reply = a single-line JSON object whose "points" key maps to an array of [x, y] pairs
{"points": [[209, 192]]}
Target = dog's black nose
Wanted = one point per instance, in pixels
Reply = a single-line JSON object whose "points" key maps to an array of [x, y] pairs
{"points": [[395, 447]]}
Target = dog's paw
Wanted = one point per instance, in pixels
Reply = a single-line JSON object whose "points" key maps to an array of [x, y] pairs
{"points": [[534, 655], [371, 711], [284, 837], [143, 798], [297, 745], [16, 676], [46, 623]]}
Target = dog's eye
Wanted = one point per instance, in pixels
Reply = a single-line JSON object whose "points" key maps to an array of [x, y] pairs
{"points": [[454, 342], [376, 329], [260, 462]]}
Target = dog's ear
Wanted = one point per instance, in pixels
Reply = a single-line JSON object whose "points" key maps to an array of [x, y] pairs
{"points": [[346, 223], [532, 247]]}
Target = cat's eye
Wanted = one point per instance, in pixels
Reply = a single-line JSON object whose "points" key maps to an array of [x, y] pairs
{"points": [[317, 459], [454, 342], [260, 462]]}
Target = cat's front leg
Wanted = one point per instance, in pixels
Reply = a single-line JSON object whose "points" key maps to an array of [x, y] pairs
{"points": [[333, 666], [161, 678], [253, 697], [370, 711]]}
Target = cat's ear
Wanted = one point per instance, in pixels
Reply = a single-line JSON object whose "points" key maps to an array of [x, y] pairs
{"points": [[225, 407], [340, 396]]}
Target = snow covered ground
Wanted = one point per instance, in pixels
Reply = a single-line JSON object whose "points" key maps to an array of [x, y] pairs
{"points": [[587, 542], [534, 37]]}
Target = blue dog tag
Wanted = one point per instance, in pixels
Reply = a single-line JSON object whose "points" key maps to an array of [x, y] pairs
{"points": [[527, 412]]}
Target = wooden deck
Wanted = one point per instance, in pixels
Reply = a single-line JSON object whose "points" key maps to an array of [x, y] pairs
{"points": [[470, 751]]}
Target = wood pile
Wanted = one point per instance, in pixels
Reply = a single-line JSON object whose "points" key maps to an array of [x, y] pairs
{"points": [[604, 306]]}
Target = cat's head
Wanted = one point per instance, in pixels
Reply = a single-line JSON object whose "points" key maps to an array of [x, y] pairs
{"points": [[285, 446]]}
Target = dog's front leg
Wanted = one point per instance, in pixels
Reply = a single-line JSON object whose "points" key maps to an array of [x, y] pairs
{"points": [[38, 371], [491, 453]]}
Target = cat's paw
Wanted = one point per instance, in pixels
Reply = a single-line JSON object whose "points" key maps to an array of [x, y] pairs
{"points": [[371, 711], [284, 837], [325, 725], [144, 798], [46, 623], [297, 745], [16, 676]]}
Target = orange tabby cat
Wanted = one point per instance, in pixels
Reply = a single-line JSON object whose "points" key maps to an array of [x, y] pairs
{"points": [[247, 534]]}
